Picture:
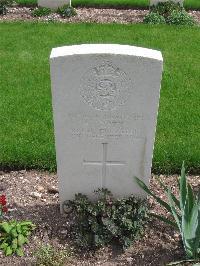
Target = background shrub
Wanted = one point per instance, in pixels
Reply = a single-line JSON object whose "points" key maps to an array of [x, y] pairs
{"points": [[107, 219], [41, 11], [180, 18], [154, 18], [168, 12], [3, 6], [66, 11], [166, 8]]}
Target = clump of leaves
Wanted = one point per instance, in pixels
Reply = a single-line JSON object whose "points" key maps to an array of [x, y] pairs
{"points": [[180, 18], [49, 256], [166, 8], [3, 6], [13, 235], [185, 210], [41, 11], [66, 11], [101, 222], [154, 18], [169, 12]]}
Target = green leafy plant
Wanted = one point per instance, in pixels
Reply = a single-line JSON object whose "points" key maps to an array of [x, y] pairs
{"points": [[181, 18], [66, 11], [100, 222], [185, 211], [166, 8], [154, 18], [168, 12], [41, 11], [13, 235], [48, 256], [3, 6]]}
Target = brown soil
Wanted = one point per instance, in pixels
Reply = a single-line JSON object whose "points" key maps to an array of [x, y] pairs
{"points": [[96, 15], [33, 196]]}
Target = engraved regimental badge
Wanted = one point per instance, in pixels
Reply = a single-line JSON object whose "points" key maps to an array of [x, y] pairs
{"points": [[105, 87]]}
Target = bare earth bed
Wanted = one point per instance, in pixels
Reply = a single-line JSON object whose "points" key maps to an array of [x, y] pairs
{"points": [[96, 15], [33, 196]]}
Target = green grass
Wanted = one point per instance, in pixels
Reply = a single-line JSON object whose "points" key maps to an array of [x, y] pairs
{"points": [[189, 4], [26, 128]]}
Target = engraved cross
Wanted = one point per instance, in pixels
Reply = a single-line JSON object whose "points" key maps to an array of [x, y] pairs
{"points": [[104, 163]]}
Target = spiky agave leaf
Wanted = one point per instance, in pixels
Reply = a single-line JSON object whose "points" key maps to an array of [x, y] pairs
{"points": [[177, 202], [148, 191]]}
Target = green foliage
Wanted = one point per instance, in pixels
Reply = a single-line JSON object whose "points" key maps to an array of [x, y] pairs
{"points": [[13, 235], [166, 8], [168, 12], [99, 223], [48, 256], [3, 6], [6, 2], [41, 11], [185, 211], [154, 18], [180, 18], [67, 11]]}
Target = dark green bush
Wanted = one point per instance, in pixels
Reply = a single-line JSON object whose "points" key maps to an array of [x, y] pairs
{"points": [[41, 11], [154, 18], [101, 222], [66, 11], [3, 6], [170, 13], [180, 18], [166, 8]]}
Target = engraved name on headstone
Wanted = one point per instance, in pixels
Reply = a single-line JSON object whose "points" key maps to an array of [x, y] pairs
{"points": [[105, 103]]}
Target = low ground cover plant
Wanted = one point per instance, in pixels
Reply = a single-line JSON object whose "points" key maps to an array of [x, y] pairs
{"points": [[185, 211], [166, 8], [66, 11], [49, 256], [107, 219], [168, 12], [13, 234], [41, 11], [154, 18], [180, 18]]}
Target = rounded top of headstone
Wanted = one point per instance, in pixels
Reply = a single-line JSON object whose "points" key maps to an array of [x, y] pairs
{"points": [[115, 49]]}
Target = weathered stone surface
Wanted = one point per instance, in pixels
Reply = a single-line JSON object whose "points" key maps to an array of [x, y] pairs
{"points": [[53, 4], [155, 2], [105, 103]]}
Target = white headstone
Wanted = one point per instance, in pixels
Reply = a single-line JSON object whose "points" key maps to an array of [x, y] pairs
{"points": [[105, 104], [53, 4], [155, 2]]}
